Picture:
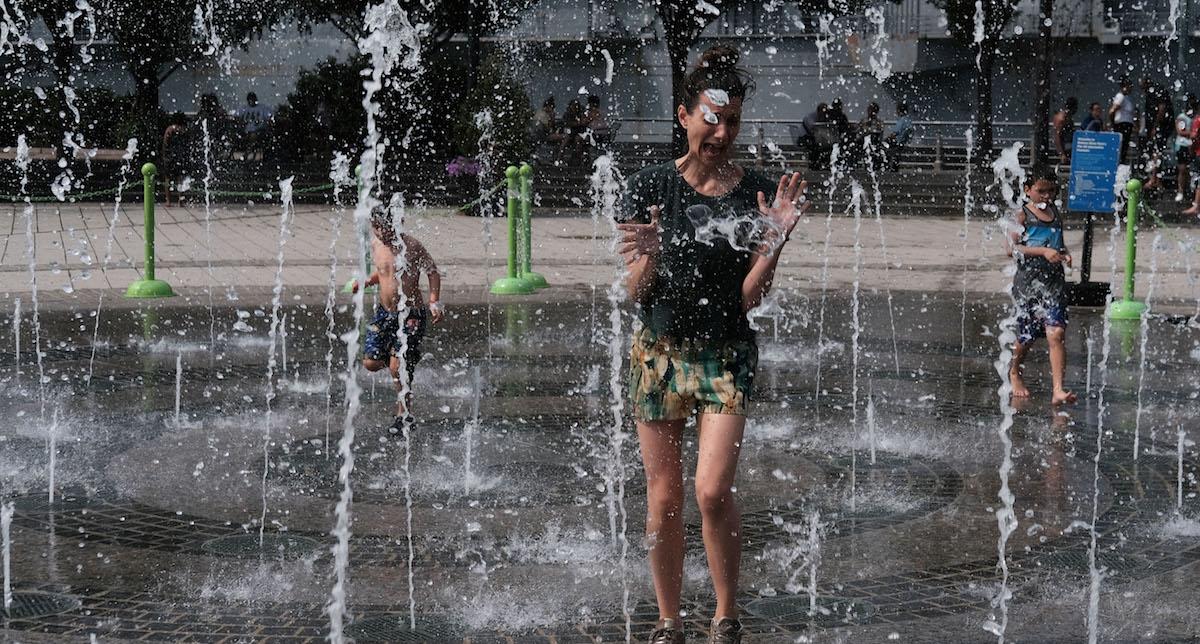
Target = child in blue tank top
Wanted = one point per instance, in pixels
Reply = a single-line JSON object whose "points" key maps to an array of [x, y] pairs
{"points": [[1039, 286]]}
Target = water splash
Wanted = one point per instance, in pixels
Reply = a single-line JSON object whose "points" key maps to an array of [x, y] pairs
{"points": [[605, 192], [204, 26], [1007, 172], [878, 56], [389, 40], [869, 153], [22, 162]]}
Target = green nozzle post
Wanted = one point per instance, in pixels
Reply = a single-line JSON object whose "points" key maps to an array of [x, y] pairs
{"points": [[511, 284], [1128, 308], [534, 279], [149, 287]]}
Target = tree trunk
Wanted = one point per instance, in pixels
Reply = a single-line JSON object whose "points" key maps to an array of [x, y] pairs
{"points": [[983, 103], [677, 49], [64, 55], [1041, 114], [145, 102], [473, 49]]}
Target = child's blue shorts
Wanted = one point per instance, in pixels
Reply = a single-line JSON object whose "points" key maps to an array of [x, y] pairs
{"points": [[1034, 316]]}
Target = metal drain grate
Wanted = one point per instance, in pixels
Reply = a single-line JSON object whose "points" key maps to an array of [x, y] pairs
{"points": [[31, 604], [397, 628], [796, 609], [273, 546]]}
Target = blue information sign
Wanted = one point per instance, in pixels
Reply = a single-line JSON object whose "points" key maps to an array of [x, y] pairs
{"points": [[1094, 159]]}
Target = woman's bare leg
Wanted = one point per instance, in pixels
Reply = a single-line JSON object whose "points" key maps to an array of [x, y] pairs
{"points": [[663, 460], [716, 469]]}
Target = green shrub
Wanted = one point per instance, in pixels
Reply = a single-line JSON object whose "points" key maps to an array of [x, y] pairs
{"points": [[499, 92]]}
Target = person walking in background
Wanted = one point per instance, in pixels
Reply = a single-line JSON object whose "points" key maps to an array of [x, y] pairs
{"points": [[545, 132], [1064, 129], [599, 129], [810, 136], [1194, 135], [176, 145], [1159, 144], [575, 127], [1121, 115], [254, 118], [898, 138], [871, 127], [1183, 147], [1093, 121]]}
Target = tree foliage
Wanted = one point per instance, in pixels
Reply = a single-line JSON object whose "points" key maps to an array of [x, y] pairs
{"points": [[154, 41], [684, 21], [980, 25]]}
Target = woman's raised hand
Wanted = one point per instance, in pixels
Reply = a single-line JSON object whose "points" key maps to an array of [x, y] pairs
{"points": [[641, 239], [791, 201]]}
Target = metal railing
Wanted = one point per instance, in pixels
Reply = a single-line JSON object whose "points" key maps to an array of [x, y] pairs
{"points": [[779, 131]]}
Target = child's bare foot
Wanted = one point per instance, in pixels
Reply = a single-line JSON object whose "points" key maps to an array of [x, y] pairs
{"points": [[1194, 210], [1019, 390], [1063, 396]]}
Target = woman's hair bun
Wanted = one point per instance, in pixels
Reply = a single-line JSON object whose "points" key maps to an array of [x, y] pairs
{"points": [[719, 56], [717, 68]]}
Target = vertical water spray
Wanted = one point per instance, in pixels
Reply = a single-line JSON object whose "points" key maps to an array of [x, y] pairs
{"points": [[871, 418], [208, 288], [22, 163], [389, 40], [285, 216], [1008, 171], [1144, 325], [178, 385], [834, 174], [1179, 468], [339, 174], [127, 159], [869, 152], [471, 425], [1095, 578], [1087, 387], [52, 450], [606, 188], [16, 331], [968, 206], [814, 558], [6, 515], [856, 193]]}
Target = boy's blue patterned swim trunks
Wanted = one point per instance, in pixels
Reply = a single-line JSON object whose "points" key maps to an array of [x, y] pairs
{"points": [[383, 340]]}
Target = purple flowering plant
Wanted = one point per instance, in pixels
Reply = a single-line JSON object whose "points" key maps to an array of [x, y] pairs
{"points": [[463, 166]]}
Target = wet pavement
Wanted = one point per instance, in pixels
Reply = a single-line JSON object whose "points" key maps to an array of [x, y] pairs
{"points": [[521, 508]]}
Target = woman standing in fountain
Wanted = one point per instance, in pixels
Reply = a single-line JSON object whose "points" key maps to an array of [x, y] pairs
{"points": [[701, 237]]}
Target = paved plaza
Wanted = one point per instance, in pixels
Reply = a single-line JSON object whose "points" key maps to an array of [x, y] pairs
{"points": [[135, 443]]}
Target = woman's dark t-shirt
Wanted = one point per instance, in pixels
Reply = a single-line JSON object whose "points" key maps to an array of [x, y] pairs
{"points": [[706, 250]]}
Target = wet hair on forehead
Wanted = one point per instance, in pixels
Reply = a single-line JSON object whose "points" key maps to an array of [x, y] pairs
{"points": [[381, 218], [1041, 173], [717, 69]]}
